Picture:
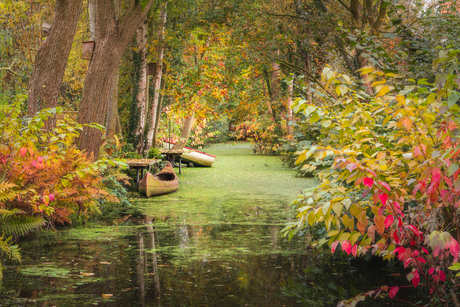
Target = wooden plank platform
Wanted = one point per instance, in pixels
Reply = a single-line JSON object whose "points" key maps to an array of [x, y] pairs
{"points": [[141, 162]]}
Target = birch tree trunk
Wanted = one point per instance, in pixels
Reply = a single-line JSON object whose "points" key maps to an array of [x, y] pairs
{"points": [[142, 95], [112, 39], [290, 95], [188, 124], [152, 110], [51, 58], [157, 122]]}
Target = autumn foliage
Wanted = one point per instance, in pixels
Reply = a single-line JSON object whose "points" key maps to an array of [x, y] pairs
{"points": [[393, 189], [46, 175]]}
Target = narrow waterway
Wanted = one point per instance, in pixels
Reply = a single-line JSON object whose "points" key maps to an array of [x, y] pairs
{"points": [[214, 242]]}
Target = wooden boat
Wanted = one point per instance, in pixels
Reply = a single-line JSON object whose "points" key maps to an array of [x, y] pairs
{"points": [[198, 158], [163, 182]]}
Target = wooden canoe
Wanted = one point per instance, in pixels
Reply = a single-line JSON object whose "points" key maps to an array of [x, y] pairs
{"points": [[197, 157], [163, 182]]}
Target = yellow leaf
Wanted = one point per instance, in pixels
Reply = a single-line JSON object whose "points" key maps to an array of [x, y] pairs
{"points": [[337, 207], [383, 90], [311, 218]]}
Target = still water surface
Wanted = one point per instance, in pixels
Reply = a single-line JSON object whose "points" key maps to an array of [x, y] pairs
{"points": [[215, 242]]}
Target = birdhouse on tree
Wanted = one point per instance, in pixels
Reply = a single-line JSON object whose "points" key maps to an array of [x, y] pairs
{"points": [[46, 27], [151, 68], [88, 48]]}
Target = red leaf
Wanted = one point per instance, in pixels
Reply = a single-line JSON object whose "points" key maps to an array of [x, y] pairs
{"points": [[389, 221], [425, 250], [431, 271], [368, 182], [420, 259], [417, 151], [415, 281], [51, 196], [442, 276], [436, 175], [454, 249], [354, 250], [334, 246], [435, 277], [383, 198], [395, 236], [393, 291], [23, 151], [346, 246], [385, 185]]}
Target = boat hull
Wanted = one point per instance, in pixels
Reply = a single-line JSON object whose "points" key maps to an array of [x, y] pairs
{"points": [[163, 182], [198, 158]]}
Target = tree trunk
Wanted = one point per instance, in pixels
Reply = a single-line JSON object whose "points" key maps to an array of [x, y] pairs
{"points": [[188, 124], [113, 117], [158, 111], [51, 59], [288, 107], [152, 115], [92, 19], [112, 39], [142, 96], [112, 109]]}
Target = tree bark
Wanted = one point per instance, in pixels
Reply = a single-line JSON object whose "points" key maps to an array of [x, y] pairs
{"points": [[188, 124], [113, 117], [142, 95], [112, 39], [152, 114], [290, 96], [158, 111], [51, 59]]}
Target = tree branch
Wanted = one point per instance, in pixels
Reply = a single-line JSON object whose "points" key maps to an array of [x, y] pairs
{"points": [[345, 6], [310, 76], [382, 13]]}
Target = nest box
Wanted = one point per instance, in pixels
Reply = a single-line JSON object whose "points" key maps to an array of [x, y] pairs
{"points": [[151, 68], [46, 28], [88, 48]]}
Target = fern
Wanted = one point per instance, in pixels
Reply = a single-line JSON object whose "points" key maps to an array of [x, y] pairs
{"points": [[6, 193], [11, 251], [15, 222]]}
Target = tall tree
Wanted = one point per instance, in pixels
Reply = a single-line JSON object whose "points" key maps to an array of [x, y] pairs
{"points": [[112, 38], [142, 93], [113, 118], [51, 59], [152, 110]]}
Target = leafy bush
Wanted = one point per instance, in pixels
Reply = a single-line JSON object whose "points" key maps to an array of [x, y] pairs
{"points": [[49, 177], [394, 186]]}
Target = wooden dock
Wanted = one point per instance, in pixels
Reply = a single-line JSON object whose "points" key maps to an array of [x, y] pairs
{"points": [[141, 164], [171, 154]]}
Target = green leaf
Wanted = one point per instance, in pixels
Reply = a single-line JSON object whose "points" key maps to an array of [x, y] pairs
{"points": [[452, 100], [314, 118], [452, 169]]}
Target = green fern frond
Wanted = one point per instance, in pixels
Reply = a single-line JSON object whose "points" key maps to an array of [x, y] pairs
{"points": [[20, 225], [6, 192]]}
